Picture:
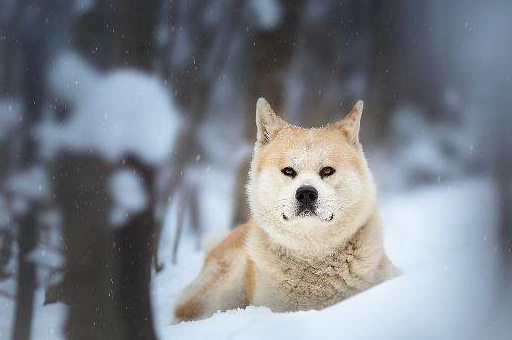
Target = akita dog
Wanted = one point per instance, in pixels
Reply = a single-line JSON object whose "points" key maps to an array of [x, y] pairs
{"points": [[314, 238]]}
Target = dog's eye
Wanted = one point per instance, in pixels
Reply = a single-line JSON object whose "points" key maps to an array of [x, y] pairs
{"points": [[289, 172], [326, 171]]}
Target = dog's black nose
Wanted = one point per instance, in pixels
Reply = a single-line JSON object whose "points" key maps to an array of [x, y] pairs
{"points": [[306, 195]]}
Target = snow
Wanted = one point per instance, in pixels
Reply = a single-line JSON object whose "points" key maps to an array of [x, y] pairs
{"points": [[463, 213], [128, 194], [48, 320], [50, 218], [215, 212], [19, 205], [84, 5], [31, 183], [46, 255], [24, 186], [421, 151], [442, 236], [71, 75], [124, 112], [213, 237], [267, 13], [428, 302], [10, 115], [48, 260]]}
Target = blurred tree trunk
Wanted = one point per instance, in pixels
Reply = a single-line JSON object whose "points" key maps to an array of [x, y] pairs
{"points": [[383, 69], [27, 237], [107, 271], [6, 253], [109, 290], [134, 24], [133, 45], [32, 94], [132, 247], [10, 62], [502, 167], [89, 284], [195, 84], [269, 59], [400, 46]]}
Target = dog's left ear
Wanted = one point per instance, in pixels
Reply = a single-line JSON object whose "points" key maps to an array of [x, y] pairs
{"points": [[351, 123], [267, 122]]}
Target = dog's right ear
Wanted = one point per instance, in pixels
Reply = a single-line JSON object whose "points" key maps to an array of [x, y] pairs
{"points": [[267, 122]]}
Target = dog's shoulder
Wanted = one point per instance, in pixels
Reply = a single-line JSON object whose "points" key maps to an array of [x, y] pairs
{"points": [[234, 241]]}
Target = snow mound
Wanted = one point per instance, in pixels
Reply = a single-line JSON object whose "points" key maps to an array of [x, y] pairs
{"points": [[444, 239], [121, 113], [432, 303], [128, 194], [436, 222], [442, 236]]}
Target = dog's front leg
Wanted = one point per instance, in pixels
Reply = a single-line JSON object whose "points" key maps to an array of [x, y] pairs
{"points": [[220, 285]]}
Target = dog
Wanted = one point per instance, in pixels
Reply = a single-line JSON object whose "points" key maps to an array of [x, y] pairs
{"points": [[314, 237]]}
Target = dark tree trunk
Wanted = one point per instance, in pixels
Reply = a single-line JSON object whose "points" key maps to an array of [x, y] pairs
{"points": [[401, 46], [132, 249], [502, 166], [10, 62], [123, 34], [133, 43], [196, 83], [269, 59], [88, 286], [6, 253], [27, 238], [132, 252], [107, 276], [385, 47], [32, 93]]}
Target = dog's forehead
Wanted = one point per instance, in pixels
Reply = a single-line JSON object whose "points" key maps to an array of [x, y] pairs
{"points": [[308, 149], [304, 148]]}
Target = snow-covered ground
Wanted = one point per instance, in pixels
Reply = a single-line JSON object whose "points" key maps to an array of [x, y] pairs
{"points": [[48, 320], [442, 237]]}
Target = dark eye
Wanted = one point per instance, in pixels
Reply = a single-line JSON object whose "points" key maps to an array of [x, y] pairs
{"points": [[326, 171], [289, 172]]}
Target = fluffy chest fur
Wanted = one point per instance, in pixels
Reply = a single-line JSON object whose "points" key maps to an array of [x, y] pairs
{"points": [[283, 280]]}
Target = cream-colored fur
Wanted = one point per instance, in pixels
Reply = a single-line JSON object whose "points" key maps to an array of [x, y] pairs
{"points": [[287, 260]]}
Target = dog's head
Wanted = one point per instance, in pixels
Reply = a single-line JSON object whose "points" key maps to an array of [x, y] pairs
{"points": [[309, 189]]}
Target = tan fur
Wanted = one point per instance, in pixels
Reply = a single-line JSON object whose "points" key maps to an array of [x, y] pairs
{"points": [[292, 262], [250, 280]]}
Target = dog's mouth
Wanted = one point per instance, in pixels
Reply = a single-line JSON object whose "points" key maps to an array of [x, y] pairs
{"points": [[304, 212]]}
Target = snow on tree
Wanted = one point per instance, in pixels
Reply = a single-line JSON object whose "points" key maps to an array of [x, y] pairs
{"points": [[125, 112]]}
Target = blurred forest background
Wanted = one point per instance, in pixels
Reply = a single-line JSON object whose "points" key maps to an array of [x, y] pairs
{"points": [[124, 119]]}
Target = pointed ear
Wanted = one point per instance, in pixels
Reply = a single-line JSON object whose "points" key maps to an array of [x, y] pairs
{"points": [[350, 124], [267, 122]]}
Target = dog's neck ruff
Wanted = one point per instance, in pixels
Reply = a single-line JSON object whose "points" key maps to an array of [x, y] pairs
{"points": [[341, 251]]}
